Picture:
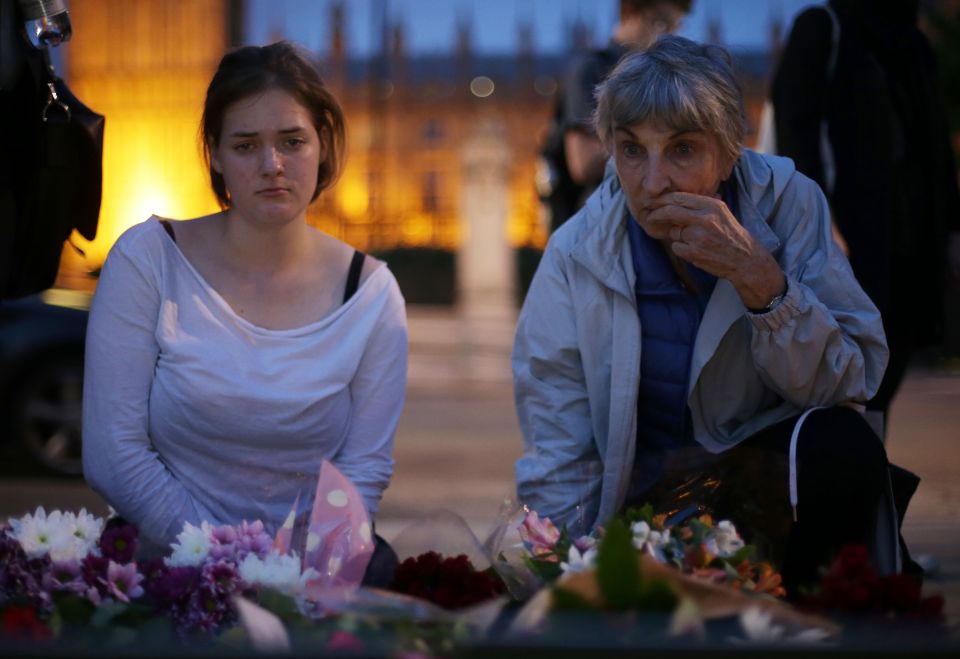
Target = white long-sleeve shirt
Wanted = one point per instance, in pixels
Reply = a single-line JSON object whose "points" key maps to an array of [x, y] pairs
{"points": [[192, 413]]}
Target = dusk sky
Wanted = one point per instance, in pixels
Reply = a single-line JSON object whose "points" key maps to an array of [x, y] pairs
{"points": [[430, 24]]}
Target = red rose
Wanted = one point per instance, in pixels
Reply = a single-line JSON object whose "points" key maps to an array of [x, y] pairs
{"points": [[452, 583], [22, 623]]}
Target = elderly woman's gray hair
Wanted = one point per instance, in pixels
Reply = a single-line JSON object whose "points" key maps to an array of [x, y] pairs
{"points": [[678, 83]]}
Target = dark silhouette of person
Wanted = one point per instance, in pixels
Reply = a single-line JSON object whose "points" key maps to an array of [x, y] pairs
{"points": [[893, 188]]}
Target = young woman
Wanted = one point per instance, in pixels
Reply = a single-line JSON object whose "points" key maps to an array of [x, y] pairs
{"points": [[229, 354]]}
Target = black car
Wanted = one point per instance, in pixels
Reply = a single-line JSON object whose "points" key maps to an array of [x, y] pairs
{"points": [[41, 377]]}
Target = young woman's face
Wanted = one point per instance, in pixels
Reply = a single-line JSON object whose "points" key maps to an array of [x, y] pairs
{"points": [[269, 156], [652, 160]]}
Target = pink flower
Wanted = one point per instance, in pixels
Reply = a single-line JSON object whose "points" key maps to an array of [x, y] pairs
{"points": [[540, 535], [123, 581]]}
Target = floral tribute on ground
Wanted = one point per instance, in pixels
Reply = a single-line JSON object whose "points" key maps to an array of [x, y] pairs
{"points": [[698, 577], [74, 578], [700, 548]]}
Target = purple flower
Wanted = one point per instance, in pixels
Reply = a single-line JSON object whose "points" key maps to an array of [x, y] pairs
{"points": [[123, 581], [65, 576], [94, 572], [252, 539], [207, 611], [585, 543], [94, 568], [170, 587], [151, 568], [220, 577], [119, 543], [10, 549], [23, 579], [223, 540]]}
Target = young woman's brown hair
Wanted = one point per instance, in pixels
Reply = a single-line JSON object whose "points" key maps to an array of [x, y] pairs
{"points": [[252, 70]]}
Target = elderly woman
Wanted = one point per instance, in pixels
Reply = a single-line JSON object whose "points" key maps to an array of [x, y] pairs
{"points": [[696, 304]]}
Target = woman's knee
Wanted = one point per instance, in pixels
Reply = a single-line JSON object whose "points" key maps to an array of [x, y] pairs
{"points": [[840, 439]]}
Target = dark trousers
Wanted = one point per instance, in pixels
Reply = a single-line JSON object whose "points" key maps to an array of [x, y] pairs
{"points": [[842, 472]]}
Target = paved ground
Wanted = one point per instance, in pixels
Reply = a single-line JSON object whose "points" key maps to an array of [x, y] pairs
{"points": [[458, 440]]}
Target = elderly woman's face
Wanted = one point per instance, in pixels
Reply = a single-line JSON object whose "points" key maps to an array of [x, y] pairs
{"points": [[653, 160]]}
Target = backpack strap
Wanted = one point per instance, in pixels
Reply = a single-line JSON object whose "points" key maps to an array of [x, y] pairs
{"points": [[353, 275]]}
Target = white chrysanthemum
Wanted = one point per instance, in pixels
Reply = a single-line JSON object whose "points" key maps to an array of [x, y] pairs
{"points": [[40, 533], [653, 542], [87, 527], [83, 531], [641, 533], [277, 571], [577, 562], [723, 540], [192, 546]]}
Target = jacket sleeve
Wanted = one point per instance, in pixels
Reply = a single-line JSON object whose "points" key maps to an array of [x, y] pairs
{"points": [[119, 460], [824, 343], [560, 472], [377, 393]]}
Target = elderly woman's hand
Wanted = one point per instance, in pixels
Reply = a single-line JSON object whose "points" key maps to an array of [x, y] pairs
{"points": [[701, 230]]}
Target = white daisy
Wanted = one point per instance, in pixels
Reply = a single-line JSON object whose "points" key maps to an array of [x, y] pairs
{"points": [[723, 540], [40, 533], [577, 562], [192, 546], [641, 533], [277, 571]]}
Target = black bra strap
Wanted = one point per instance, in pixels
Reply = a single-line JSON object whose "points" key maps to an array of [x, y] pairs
{"points": [[169, 229], [353, 276]]}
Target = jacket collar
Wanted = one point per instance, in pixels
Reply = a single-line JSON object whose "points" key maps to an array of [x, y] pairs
{"points": [[604, 249], [750, 216]]}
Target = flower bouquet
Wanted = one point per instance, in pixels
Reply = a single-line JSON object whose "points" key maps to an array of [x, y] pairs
{"points": [[699, 548], [68, 577], [853, 592], [681, 578]]}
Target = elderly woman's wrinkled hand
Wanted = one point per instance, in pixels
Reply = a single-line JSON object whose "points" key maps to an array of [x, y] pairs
{"points": [[705, 233]]}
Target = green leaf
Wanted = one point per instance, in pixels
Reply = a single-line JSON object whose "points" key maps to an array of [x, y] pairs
{"points": [[282, 606], [567, 600], [105, 613], [699, 531], [656, 595], [56, 623], [642, 514], [618, 571], [235, 638], [119, 637], [546, 571], [73, 610], [745, 553]]}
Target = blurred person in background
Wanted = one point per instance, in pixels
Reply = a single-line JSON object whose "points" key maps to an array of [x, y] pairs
{"points": [[858, 81], [574, 155]]}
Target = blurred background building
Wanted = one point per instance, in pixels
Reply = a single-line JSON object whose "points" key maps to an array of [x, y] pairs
{"points": [[423, 127]]}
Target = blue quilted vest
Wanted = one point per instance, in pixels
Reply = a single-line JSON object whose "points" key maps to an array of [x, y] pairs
{"points": [[669, 319]]}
